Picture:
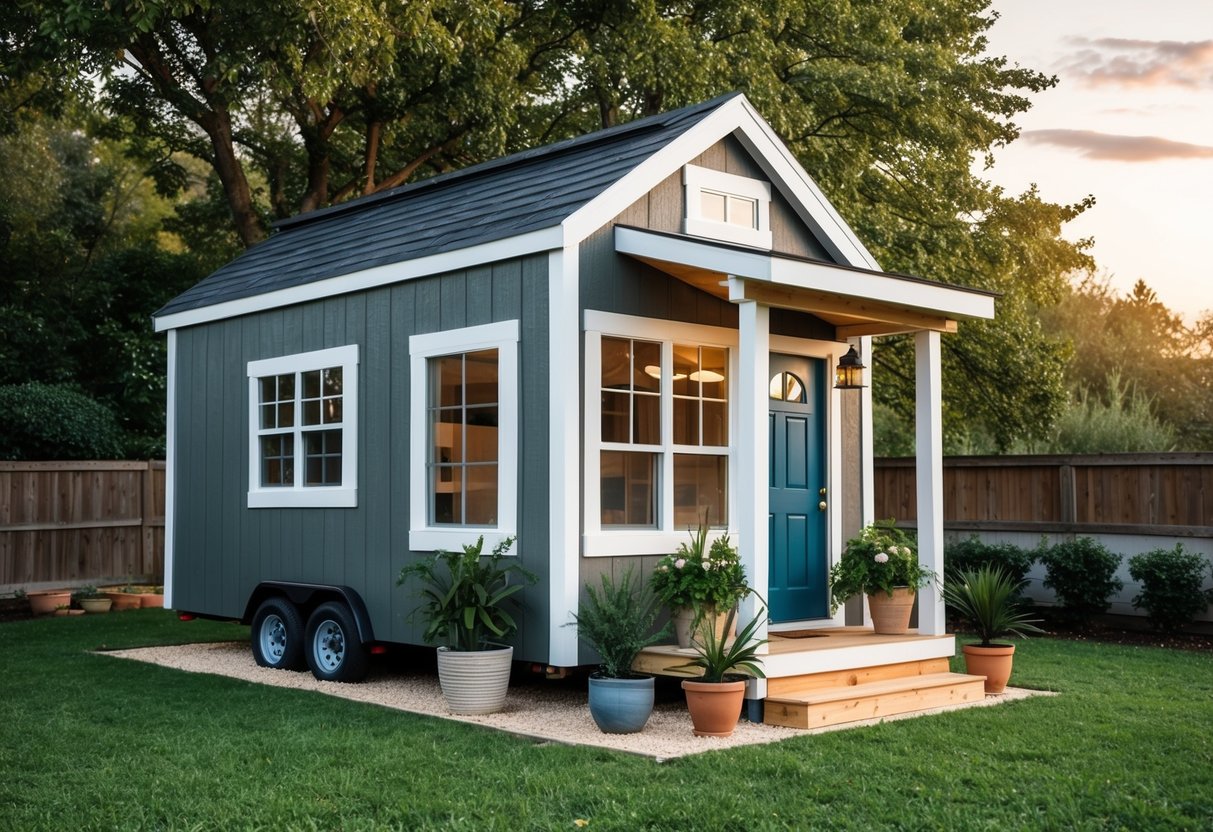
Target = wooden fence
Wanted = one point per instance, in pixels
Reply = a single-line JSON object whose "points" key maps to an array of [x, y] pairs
{"points": [[72, 523], [1143, 494]]}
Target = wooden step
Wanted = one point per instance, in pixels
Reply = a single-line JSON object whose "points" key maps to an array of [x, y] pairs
{"points": [[780, 687], [818, 708]]}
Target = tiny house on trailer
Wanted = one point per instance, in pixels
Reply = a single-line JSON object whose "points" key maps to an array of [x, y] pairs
{"points": [[587, 346]]}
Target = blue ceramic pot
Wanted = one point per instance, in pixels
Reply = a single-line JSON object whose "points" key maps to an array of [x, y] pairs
{"points": [[621, 706]]}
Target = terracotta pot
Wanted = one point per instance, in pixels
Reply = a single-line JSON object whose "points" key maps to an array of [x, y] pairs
{"points": [[123, 600], [95, 605], [891, 614], [684, 617], [993, 662], [44, 603], [151, 599], [715, 706]]}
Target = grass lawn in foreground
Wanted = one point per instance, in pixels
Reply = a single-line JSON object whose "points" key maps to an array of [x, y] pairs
{"points": [[91, 742]]}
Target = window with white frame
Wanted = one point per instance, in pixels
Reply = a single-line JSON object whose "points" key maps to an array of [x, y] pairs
{"points": [[303, 429], [657, 431], [724, 206], [463, 435]]}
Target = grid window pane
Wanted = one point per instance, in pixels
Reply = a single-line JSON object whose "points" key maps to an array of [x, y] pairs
{"points": [[616, 363], [481, 500], [715, 424], [712, 205], [647, 358], [321, 449], [480, 377], [686, 422], [615, 416], [686, 363], [464, 438], [713, 372], [646, 424], [277, 460], [447, 375], [700, 485], [628, 489], [447, 495], [743, 212], [311, 384], [482, 434]]}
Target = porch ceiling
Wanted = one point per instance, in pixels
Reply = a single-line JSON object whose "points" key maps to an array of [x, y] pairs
{"points": [[856, 301]]}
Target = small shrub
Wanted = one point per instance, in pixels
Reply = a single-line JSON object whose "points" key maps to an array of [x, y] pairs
{"points": [[972, 555], [1082, 572], [1171, 582], [55, 421]]}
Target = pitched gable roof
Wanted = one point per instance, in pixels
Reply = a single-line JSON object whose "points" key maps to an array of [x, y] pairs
{"points": [[518, 194]]}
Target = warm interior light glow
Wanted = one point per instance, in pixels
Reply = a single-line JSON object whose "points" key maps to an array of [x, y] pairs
{"points": [[848, 375], [706, 376], [653, 371]]}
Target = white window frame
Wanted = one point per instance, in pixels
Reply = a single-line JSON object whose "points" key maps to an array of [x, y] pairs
{"points": [[597, 541], [299, 495], [695, 180], [503, 337]]}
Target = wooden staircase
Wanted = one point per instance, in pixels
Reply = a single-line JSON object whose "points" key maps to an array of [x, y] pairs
{"points": [[817, 700]]}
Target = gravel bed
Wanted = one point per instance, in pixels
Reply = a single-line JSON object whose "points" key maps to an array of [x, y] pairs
{"points": [[553, 713]]}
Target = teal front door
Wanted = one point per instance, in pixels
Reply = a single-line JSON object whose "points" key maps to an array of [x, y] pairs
{"points": [[797, 541]]}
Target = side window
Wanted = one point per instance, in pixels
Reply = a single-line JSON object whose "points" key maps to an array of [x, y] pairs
{"points": [[302, 429], [463, 436]]}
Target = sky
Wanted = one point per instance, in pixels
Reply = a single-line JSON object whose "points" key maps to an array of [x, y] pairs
{"points": [[1130, 121]]}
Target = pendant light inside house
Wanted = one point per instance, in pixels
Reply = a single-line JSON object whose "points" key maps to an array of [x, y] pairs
{"points": [[848, 375]]}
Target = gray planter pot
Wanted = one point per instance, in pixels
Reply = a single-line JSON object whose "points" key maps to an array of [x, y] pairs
{"points": [[474, 682], [621, 706]]}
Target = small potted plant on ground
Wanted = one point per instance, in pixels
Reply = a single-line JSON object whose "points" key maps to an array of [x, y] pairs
{"points": [[715, 698], [700, 581], [90, 600], [882, 563], [987, 599], [47, 601], [125, 597], [463, 608], [617, 622]]}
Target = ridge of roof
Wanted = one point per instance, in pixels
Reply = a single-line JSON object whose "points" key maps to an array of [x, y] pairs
{"points": [[605, 136]]}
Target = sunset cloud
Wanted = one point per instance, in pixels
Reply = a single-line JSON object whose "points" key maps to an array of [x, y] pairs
{"points": [[1111, 147], [1142, 63]]}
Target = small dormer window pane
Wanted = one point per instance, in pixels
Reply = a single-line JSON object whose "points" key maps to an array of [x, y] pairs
{"points": [[713, 206], [743, 212]]}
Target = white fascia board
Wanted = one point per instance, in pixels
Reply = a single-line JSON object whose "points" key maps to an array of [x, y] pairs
{"points": [[914, 294], [644, 177], [545, 239], [170, 472], [701, 255]]}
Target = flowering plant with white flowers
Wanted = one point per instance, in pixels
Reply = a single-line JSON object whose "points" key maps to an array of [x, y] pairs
{"points": [[877, 559], [700, 575]]}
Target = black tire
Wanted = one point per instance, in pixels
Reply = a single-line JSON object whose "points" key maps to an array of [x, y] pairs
{"points": [[277, 635], [332, 646]]}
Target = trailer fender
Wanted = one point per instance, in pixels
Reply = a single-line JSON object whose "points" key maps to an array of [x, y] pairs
{"points": [[309, 596]]}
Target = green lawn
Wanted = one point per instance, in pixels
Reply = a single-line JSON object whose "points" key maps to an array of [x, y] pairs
{"points": [[90, 742]]}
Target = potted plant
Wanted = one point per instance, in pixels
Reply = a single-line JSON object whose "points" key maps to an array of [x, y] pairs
{"points": [[151, 596], [700, 581], [47, 601], [715, 698], [125, 597], [90, 600], [464, 607], [617, 622], [882, 563], [987, 599]]}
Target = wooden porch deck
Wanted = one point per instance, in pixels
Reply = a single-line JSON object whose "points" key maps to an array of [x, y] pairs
{"points": [[844, 674]]}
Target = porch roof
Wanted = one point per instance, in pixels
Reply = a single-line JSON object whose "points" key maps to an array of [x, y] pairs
{"points": [[856, 301]]}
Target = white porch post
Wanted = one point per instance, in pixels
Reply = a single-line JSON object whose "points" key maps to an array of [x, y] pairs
{"points": [[752, 451], [928, 420]]}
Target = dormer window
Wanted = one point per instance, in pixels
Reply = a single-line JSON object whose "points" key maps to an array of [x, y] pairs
{"points": [[724, 206]]}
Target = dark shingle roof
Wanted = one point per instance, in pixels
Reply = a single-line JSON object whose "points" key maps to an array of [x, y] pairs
{"points": [[503, 198]]}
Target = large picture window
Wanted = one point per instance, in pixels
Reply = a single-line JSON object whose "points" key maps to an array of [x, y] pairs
{"points": [[464, 435], [303, 417], [658, 437]]}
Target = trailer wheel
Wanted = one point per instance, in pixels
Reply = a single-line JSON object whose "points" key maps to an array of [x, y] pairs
{"points": [[334, 651], [277, 635]]}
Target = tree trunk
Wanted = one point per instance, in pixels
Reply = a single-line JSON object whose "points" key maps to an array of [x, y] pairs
{"points": [[218, 126]]}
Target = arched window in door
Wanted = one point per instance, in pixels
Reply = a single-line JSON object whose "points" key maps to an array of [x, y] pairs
{"points": [[787, 387]]}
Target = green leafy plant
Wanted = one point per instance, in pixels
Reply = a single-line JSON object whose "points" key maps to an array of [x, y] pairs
{"points": [[465, 594], [617, 620], [973, 553], [1171, 581], [56, 421], [722, 659], [700, 575], [878, 559], [86, 592], [1082, 572], [987, 598]]}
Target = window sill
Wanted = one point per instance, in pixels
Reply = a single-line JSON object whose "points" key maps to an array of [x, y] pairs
{"points": [[452, 539], [303, 498], [641, 542]]}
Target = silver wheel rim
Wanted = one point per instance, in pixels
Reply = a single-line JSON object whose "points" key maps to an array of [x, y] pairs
{"points": [[273, 638], [328, 646]]}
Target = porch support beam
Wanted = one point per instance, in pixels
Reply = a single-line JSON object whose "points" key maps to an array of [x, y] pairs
{"points": [[870, 317], [751, 459], [928, 420]]}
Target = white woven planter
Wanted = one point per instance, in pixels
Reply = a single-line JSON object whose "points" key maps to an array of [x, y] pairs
{"points": [[474, 682]]}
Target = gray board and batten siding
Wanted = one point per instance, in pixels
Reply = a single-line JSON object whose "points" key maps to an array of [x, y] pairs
{"points": [[223, 549]]}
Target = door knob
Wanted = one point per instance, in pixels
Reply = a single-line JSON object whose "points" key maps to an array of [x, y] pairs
{"points": [[821, 491], [822, 506]]}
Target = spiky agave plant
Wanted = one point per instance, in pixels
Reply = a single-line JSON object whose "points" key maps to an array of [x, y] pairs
{"points": [[988, 598], [719, 657]]}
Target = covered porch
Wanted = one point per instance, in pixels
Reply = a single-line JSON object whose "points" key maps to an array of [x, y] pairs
{"points": [[833, 672]]}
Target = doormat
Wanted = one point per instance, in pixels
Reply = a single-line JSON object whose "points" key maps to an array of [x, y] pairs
{"points": [[799, 634]]}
